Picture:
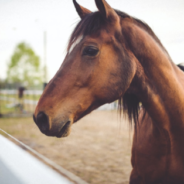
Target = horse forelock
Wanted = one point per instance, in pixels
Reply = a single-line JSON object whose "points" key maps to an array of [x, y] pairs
{"points": [[89, 25]]}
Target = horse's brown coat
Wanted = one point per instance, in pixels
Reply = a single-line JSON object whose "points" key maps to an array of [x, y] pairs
{"points": [[131, 63]]}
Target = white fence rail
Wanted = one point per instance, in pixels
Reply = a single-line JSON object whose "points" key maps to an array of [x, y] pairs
{"points": [[19, 167], [26, 92]]}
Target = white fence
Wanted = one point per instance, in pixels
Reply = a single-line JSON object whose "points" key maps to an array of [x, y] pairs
{"points": [[19, 167], [26, 92]]}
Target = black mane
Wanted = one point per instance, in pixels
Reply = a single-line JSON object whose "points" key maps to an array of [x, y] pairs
{"points": [[181, 66]]}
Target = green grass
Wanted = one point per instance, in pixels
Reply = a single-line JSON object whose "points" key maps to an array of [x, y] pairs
{"points": [[4, 109], [15, 126], [10, 99]]}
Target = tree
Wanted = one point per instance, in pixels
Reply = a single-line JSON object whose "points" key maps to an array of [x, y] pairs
{"points": [[24, 66]]}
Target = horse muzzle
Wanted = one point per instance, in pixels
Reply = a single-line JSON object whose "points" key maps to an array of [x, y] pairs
{"points": [[52, 128]]}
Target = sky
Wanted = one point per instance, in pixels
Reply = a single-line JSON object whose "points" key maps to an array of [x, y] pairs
{"points": [[27, 20]]}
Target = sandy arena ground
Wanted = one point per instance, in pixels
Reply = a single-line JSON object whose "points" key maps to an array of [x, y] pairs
{"points": [[98, 149]]}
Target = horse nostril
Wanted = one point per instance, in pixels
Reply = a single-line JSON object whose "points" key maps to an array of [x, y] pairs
{"points": [[42, 121]]}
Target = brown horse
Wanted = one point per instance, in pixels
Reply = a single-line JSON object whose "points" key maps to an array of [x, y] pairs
{"points": [[111, 56]]}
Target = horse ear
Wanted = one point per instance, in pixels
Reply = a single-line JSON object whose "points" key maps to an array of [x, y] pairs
{"points": [[81, 10], [106, 10]]}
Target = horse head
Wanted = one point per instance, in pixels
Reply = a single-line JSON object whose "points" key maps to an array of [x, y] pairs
{"points": [[98, 69]]}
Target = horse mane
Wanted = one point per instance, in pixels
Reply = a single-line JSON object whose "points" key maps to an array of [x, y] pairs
{"points": [[181, 66], [129, 104]]}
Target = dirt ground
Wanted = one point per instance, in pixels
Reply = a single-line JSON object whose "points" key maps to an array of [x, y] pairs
{"points": [[98, 150]]}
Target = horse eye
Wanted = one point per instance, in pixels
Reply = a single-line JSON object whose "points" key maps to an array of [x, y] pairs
{"points": [[90, 51]]}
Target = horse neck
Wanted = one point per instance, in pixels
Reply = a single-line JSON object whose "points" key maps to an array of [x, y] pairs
{"points": [[158, 80]]}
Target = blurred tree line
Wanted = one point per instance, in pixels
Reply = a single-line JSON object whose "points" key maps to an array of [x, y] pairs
{"points": [[24, 67]]}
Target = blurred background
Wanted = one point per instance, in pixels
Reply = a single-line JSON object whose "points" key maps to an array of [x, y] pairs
{"points": [[34, 36], [33, 40]]}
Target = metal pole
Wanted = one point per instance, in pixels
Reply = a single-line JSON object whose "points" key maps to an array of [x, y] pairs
{"points": [[0, 95], [45, 60]]}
